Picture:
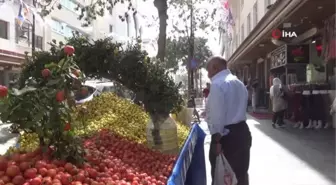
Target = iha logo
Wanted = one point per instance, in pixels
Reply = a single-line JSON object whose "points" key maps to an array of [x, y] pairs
{"points": [[277, 34]]}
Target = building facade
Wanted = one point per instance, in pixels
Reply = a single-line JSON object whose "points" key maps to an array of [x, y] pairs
{"points": [[256, 52], [60, 24]]}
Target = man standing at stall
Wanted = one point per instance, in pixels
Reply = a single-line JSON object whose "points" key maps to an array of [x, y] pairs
{"points": [[226, 118]]}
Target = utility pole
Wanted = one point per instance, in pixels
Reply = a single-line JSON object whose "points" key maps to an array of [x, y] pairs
{"points": [[191, 49], [33, 29]]}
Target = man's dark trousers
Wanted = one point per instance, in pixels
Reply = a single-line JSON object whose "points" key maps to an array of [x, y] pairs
{"points": [[236, 148]]}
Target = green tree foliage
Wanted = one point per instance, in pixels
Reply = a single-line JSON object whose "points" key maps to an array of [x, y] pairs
{"points": [[129, 66], [177, 51], [44, 105]]}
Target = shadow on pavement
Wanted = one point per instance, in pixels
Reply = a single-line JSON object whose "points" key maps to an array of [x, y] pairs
{"points": [[315, 147]]}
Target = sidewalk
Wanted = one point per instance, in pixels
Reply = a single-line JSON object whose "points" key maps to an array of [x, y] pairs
{"points": [[286, 156]]}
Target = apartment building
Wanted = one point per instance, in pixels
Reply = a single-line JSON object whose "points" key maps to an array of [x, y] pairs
{"points": [[256, 53], [246, 15], [59, 25]]}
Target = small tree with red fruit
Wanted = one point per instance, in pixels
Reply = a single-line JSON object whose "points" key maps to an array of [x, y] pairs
{"points": [[43, 105]]}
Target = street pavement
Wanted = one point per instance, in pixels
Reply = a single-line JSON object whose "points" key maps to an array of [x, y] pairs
{"points": [[286, 156]]}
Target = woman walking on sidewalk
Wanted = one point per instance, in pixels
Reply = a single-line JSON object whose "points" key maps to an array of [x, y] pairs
{"points": [[279, 104]]}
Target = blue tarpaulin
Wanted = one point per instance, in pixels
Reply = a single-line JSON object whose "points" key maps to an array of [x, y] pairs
{"points": [[189, 168]]}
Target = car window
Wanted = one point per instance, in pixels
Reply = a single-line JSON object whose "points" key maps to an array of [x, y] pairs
{"points": [[79, 95]]}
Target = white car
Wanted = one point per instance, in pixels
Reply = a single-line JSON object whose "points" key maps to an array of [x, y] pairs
{"points": [[95, 88]]}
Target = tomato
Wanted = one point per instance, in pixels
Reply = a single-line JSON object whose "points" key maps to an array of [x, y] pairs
{"points": [[43, 171], [93, 173], [30, 173], [36, 181], [46, 73], [46, 181], [24, 166], [51, 173], [66, 179], [76, 183], [18, 180], [13, 171], [3, 164], [68, 167], [40, 164], [5, 179]]}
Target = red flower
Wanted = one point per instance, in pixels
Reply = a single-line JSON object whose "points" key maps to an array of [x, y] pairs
{"points": [[67, 127], [69, 50]]}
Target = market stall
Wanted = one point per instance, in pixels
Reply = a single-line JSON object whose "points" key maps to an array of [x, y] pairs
{"points": [[189, 168], [300, 69]]}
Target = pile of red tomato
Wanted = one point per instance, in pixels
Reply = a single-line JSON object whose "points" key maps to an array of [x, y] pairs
{"points": [[111, 160]]}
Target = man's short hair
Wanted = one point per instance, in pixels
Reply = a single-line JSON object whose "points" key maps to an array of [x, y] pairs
{"points": [[219, 60]]}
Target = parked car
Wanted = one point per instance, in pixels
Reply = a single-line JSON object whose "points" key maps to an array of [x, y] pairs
{"points": [[95, 88]]}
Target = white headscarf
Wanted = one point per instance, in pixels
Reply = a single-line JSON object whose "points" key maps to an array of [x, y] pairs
{"points": [[276, 82]]}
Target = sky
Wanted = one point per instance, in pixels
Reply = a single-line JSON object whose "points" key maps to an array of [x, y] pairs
{"points": [[147, 8]]}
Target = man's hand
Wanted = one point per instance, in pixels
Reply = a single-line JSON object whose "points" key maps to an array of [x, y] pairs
{"points": [[217, 146]]}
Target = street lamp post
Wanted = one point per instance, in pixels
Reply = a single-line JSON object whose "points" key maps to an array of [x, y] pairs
{"points": [[33, 29], [192, 47], [191, 50]]}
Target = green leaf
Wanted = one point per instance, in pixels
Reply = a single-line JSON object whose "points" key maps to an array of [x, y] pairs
{"points": [[53, 82], [51, 65], [61, 62]]}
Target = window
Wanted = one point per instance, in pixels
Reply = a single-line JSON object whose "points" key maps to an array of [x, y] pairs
{"points": [[62, 28], [57, 27], [255, 14], [3, 29], [70, 5], [23, 33], [267, 3], [242, 33], [111, 28], [248, 23], [38, 42]]}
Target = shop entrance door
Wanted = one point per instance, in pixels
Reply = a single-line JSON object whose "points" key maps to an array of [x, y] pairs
{"points": [[262, 85]]}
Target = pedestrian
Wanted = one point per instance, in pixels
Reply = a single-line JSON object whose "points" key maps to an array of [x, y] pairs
{"points": [[279, 103], [206, 91], [254, 97], [226, 118]]}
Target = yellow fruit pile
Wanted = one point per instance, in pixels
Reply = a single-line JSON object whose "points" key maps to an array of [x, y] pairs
{"points": [[114, 113], [110, 112]]}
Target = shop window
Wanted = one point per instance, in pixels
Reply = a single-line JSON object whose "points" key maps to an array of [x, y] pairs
{"points": [[23, 33], [39, 42], [3, 29], [255, 14]]}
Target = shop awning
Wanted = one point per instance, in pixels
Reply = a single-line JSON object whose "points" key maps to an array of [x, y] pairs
{"points": [[250, 48], [303, 15]]}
